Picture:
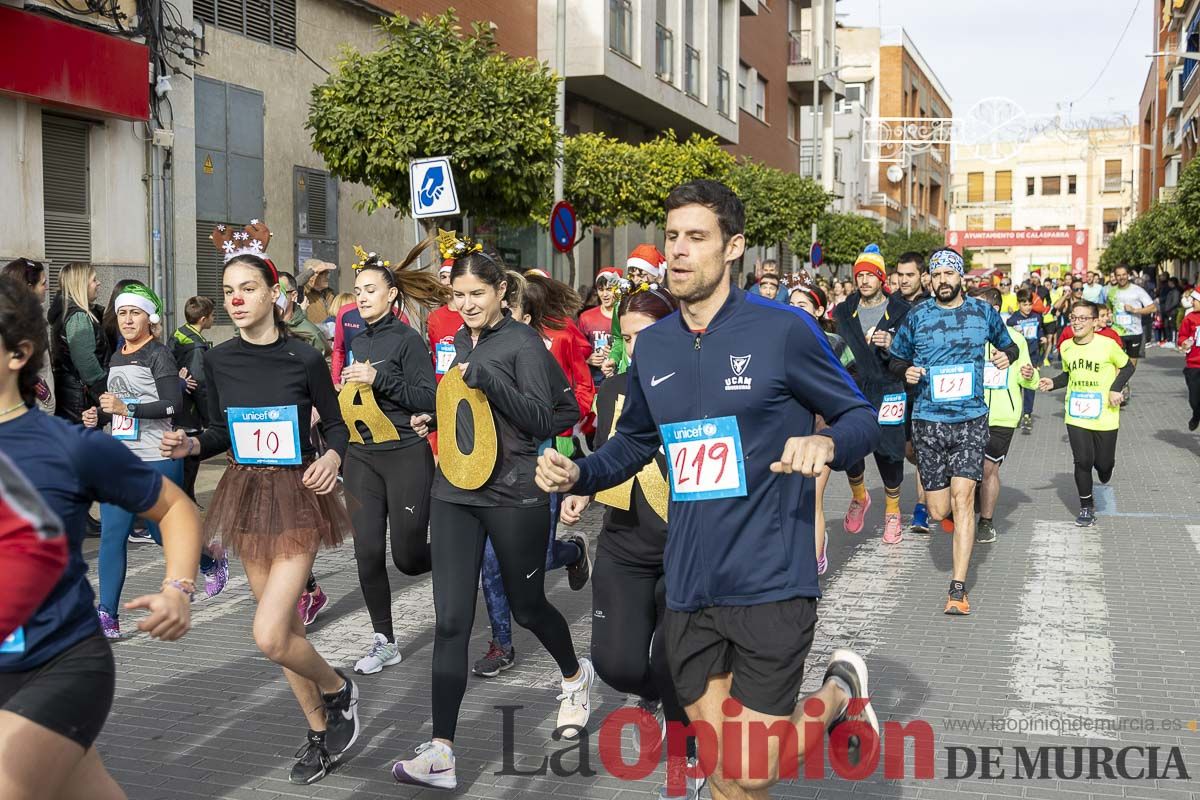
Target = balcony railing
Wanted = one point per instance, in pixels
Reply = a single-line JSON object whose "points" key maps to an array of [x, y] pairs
{"points": [[800, 46], [664, 53], [691, 71], [620, 27], [723, 86], [1112, 184]]}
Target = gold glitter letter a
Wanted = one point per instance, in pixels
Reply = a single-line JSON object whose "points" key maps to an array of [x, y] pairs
{"points": [[358, 405], [654, 484]]}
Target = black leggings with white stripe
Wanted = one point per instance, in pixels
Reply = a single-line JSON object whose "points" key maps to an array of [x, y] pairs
{"points": [[457, 535]]}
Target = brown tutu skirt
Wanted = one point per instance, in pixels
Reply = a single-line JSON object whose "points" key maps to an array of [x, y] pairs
{"points": [[261, 513]]}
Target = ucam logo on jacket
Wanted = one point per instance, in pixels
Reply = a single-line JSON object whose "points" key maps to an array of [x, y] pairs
{"points": [[722, 403]]}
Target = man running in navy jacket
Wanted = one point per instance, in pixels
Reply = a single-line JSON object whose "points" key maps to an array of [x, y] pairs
{"points": [[729, 387]]}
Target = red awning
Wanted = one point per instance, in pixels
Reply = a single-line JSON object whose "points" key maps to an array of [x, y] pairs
{"points": [[53, 62]]}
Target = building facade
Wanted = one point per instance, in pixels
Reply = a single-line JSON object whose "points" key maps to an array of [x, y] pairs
{"points": [[1058, 180]]}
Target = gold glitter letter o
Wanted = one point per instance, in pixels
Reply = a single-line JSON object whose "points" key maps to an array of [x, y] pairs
{"points": [[466, 471]]}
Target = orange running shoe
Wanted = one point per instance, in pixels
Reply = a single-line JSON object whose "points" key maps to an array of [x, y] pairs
{"points": [[958, 606]]}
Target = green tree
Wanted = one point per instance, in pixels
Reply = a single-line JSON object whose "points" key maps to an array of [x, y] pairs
{"points": [[430, 90], [843, 237], [780, 206], [899, 242]]}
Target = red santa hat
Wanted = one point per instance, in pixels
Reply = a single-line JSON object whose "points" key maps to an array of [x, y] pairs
{"points": [[447, 265], [607, 275], [647, 257]]}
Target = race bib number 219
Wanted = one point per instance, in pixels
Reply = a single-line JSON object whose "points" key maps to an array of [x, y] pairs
{"points": [[704, 458]]}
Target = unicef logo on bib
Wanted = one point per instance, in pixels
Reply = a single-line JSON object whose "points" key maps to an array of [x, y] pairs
{"points": [[709, 429], [704, 459]]}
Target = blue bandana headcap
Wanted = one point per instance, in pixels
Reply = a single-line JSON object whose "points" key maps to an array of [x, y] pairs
{"points": [[943, 259]]}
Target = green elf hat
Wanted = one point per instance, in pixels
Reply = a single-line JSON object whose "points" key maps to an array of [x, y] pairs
{"points": [[139, 296]]}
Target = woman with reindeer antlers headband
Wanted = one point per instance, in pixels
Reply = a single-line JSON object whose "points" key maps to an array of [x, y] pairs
{"points": [[277, 502], [502, 398], [389, 469]]}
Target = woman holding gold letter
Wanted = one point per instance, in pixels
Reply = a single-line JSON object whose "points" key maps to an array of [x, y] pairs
{"points": [[502, 399], [389, 469]]}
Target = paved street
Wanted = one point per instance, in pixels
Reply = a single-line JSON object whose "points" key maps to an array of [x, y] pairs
{"points": [[1070, 627]]}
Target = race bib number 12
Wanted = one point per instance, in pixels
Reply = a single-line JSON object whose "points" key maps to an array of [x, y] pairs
{"points": [[268, 436], [704, 458]]}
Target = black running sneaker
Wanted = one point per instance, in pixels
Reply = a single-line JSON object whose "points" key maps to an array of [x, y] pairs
{"points": [[1086, 518], [313, 760], [848, 666], [341, 717], [496, 661], [579, 572]]}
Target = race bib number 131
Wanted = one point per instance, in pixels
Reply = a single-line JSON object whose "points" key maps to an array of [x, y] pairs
{"points": [[704, 458]]}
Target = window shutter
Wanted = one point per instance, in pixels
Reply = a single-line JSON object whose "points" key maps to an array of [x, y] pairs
{"points": [[209, 264], [1004, 185], [65, 178], [974, 187]]}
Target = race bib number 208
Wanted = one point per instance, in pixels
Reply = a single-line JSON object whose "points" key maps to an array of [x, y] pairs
{"points": [[704, 458]]}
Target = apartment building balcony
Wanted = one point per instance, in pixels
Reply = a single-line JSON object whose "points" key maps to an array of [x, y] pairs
{"points": [[620, 57], [803, 71]]}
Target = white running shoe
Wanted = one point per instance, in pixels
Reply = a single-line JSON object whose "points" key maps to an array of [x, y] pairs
{"points": [[576, 700], [382, 654], [433, 766]]}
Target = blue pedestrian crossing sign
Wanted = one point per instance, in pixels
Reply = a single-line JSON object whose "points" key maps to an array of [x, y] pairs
{"points": [[431, 185]]}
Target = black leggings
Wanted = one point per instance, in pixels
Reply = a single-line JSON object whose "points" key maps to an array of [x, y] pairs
{"points": [[892, 472], [1092, 450], [388, 486], [628, 646], [457, 535], [1192, 376]]}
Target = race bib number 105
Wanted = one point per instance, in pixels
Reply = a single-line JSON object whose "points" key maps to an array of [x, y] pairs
{"points": [[268, 436], [704, 458]]}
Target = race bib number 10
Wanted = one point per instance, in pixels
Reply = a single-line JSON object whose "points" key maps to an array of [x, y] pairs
{"points": [[268, 436], [891, 410], [704, 458], [950, 383]]}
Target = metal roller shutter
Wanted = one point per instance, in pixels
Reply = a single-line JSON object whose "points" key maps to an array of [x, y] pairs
{"points": [[65, 178]]}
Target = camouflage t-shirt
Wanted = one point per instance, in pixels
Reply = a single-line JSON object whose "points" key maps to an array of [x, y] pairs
{"points": [[949, 344]]}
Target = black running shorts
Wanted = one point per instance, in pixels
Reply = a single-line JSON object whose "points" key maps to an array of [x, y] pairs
{"points": [[71, 694], [764, 646], [1135, 346], [998, 443], [948, 450]]}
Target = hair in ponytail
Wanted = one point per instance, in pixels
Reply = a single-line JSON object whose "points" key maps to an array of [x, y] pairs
{"points": [[270, 278], [548, 303]]}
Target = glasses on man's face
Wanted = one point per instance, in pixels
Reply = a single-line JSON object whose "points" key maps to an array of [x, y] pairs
{"points": [[1006, 283], [1076, 288], [1081, 320]]}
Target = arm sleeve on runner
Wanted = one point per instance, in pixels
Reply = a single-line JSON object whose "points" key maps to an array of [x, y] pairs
{"points": [[898, 366], [1060, 380], [998, 335], [33, 549], [81, 342], [630, 448], [1123, 376], [168, 402], [820, 382]]}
